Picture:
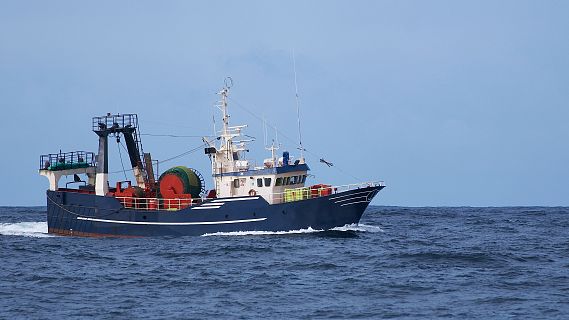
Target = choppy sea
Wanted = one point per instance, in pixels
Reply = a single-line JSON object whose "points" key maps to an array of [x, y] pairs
{"points": [[398, 263]]}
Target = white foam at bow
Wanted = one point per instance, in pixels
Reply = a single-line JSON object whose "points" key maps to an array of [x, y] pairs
{"points": [[261, 233], [348, 227], [359, 227], [26, 229]]}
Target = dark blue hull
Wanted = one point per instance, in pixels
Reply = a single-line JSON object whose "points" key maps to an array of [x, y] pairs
{"points": [[76, 214]]}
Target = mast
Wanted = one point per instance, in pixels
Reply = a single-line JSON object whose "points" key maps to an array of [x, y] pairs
{"points": [[127, 125], [223, 107], [228, 152], [226, 134], [229, 156]]}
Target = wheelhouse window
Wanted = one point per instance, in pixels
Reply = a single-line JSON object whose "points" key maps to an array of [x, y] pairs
{"points": [[268, 182], [303, 178], [235, 183], [279, 182], [259, 182], [286, 181]]}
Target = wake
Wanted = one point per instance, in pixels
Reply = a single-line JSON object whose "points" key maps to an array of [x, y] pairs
{"points": [[39, 230], [359, 228], [349, 227], [26, 229]]}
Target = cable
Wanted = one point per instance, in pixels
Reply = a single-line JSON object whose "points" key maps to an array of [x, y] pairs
{"points": [[169, 159], [261, 119], [111, 210], [120, 171], [183, 154], [205, 144], [169, 135], [288, 138], [297, 105], [120, 156]]}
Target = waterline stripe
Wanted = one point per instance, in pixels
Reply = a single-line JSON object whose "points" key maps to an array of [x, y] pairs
{"points": [[206, 207], [172, 223]]}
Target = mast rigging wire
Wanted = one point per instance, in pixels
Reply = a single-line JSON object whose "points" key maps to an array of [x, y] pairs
{"points": [[169, 135], [119, 143], [289, 138], [171, 158], [206, 143], [297, 106]]}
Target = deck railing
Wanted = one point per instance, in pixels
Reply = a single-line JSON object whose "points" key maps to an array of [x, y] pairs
{"points": [[310, 192], [67, 160], [158, 203], [289, 195], [115, 120]]}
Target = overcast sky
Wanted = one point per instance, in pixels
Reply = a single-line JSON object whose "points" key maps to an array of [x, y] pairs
{"points": [[449, 102]]}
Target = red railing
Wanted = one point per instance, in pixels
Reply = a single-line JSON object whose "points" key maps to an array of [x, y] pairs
{"points": [[289, 195], [157, 203]]}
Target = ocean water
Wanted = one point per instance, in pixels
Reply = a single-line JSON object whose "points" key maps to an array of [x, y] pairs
{"points": [[399, 263]]}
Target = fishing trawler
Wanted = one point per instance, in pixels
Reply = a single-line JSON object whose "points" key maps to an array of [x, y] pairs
{"points": [[244, 197]]}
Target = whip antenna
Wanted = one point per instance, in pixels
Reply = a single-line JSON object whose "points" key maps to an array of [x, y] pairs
{"points": [[265, 131], [297, 107]]}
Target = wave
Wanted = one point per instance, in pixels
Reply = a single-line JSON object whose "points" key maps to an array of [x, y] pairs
{"points": [[262, 233], [359, 228], [26, 229], [39, 230], [349, 227]]}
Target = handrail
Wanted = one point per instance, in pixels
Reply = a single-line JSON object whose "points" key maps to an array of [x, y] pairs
{"points": [[289, 195], [309, 192], [338, 188], [67, 160], [158, 203]]}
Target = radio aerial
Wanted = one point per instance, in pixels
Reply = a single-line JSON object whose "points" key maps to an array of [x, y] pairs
{"points": [[228, 82]]}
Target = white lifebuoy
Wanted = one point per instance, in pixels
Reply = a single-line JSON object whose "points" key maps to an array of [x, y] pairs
{"points": [[252, 192]]}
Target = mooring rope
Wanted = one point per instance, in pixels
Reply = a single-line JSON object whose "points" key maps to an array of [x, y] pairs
{"points": [[79, 215]]}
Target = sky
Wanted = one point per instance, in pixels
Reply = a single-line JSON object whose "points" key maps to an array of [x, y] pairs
{"points": [[451, 103]]}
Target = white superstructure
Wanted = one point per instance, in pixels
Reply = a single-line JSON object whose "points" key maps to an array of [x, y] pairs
{"points": [[234, 175]]}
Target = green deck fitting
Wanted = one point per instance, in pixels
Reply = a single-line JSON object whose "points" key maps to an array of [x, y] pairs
{"points": [[66, 166]]}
